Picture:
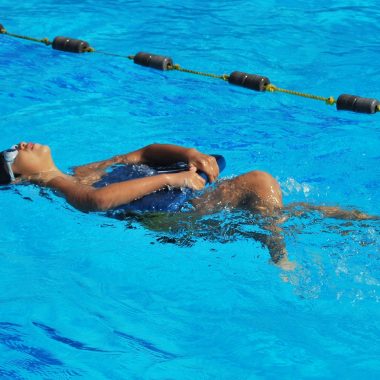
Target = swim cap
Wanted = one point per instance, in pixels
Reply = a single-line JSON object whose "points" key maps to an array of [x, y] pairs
{"points": [[5, 178], [7, 157]]}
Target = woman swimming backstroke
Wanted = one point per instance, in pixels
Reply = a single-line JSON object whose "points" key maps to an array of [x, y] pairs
{"points": [[255, 191]]}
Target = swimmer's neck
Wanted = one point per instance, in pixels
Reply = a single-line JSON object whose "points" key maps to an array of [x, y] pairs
{"points": [[47, 177], [57, 174]]}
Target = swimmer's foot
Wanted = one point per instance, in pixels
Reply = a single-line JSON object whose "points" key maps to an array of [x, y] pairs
{"points": [[285, 264]]}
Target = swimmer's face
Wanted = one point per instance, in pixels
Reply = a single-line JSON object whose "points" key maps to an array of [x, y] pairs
{"points": [[32, 159]]}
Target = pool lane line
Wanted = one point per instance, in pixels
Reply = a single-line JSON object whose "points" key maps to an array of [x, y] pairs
{"points": [[254, 82]]}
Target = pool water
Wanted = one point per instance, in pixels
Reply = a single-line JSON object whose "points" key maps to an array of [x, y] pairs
{"points": [[86, 296]]}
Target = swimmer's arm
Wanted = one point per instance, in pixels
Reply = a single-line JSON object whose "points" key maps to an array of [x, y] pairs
{"points": [[87, 198], [158, 154], [167, 154], [95, 167], [154, 154]]}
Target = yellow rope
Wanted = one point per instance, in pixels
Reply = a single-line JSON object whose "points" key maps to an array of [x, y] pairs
{"points": [[272, 88], [43, 40], [179, 68]]}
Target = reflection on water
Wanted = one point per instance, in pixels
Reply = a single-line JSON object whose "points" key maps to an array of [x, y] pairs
{"points": [[185, 229]]}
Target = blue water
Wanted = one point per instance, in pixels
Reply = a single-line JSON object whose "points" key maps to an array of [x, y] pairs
{"points": [[85, 296]]}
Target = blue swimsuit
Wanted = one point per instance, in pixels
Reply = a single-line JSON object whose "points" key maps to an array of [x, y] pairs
{"points": [[167, 200]]}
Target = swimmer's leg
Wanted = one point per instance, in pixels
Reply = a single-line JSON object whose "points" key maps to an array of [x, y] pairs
{"points": [[259, 193], [301, 208]]}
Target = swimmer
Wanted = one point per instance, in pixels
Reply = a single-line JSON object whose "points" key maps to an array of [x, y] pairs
{"points": [[31, 162], [255, 191]]}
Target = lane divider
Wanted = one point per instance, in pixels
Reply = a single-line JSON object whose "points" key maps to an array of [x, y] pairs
{"points": [[344, 102]]}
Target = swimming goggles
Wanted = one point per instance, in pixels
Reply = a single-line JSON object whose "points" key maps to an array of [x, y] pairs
{"points": [[9, 158]]}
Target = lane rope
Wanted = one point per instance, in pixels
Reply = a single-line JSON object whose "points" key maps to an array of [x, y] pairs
{"points": [[250, 81], [42, 40], [210, 75], [330, 100]]}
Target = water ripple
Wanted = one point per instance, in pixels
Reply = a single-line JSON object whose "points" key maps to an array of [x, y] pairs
{"points": [[52, 333]]}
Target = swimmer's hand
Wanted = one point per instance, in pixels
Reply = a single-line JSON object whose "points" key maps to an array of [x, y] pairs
{"points": [[204, 163], [189, 179]]}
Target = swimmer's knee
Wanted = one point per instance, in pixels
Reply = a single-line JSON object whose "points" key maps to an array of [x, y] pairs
{"points": [[266, 181], [260, 176], [264, 189]]}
